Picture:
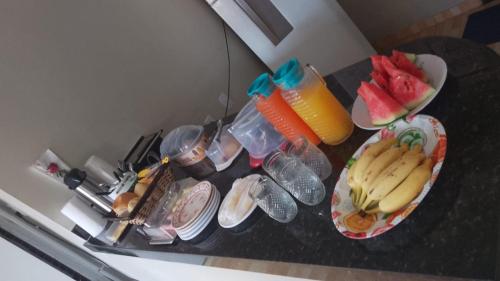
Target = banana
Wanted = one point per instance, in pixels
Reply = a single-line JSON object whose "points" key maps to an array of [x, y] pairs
{"points": [[353, 198], [380, 163], [380, 146], [365, 205], [350, 175], [369, 155], [417, 148], [405, 192], [355, 189], [394, 174], [362, 198], [372, 205], [356, 193], [373, 210]]}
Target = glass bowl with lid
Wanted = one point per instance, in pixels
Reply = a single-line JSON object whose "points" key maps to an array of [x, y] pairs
{"points": [[186, 146]]}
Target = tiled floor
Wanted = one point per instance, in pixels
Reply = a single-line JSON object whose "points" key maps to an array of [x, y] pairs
{"points": [[447, 23], [317, 272]]}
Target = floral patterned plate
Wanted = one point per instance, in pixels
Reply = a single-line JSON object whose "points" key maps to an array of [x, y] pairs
{"points": [[193, 205], [423, 129]]}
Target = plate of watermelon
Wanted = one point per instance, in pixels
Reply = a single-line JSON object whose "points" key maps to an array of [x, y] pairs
{"points": [[402, 84]]}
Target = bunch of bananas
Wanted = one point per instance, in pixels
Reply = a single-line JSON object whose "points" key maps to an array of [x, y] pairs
{"points": [[386, 177]]}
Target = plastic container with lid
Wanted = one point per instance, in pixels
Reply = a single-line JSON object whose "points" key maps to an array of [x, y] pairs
{"points": [[306, 92], [276, 110], [186, 146], [158, 225], [256, 135], [224, 148]]}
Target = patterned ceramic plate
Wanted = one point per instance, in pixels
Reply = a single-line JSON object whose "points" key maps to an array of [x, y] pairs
{"points": [[423, 129], [193, 206]]}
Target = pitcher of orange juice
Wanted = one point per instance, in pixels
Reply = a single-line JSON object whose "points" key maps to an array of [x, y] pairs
{"points": [[306, 92], [276, 110]]}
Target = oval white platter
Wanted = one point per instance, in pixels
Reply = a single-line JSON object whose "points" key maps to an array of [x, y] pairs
{"points": [[422, 129]]}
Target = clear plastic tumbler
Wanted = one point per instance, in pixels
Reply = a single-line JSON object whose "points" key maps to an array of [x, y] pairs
{"points": [[295, 177], [311, 156], [273, 200]]}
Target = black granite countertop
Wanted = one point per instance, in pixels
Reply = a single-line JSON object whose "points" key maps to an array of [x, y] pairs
{"points": [[454, 232]]}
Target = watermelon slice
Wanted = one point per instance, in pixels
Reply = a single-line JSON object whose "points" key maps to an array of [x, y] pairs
{"points": [[407, 89], [382, 108], [401, 61], [388, 66], [411, 57], [377, 63], [382, 80]]}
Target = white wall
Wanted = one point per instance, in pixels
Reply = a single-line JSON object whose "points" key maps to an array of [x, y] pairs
{"points": [[379, 18], [89, 77], [16, 261]]}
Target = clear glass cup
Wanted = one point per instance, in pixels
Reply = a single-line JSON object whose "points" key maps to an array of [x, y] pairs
{"points": [[295, 177], [311, 156], [273, 200]]}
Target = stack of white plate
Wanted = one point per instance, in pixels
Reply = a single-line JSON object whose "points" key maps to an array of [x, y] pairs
{"points": [[196, 210]]}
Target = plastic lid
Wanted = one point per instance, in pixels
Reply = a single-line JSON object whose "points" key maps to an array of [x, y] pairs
{"points": [[180, 140], [289, 74], [263, 85]]}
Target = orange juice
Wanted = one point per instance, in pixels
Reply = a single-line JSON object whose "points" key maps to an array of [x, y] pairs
{"points": [[276, 110], [285, 119], [319, 108], [305, 91]]}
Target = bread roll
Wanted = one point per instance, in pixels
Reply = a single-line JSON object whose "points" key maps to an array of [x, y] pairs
{"points": [[140, 188], [132, 203], [146, 181], [120, 206]]}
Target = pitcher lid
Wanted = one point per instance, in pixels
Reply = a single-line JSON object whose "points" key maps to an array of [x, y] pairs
{"points": [[263, 85], [289, 75]]}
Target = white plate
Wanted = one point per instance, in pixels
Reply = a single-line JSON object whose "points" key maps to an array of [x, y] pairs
{"points": [[250, 179], [422, 129], [203, 224], [193, 205], [435, 69], [206, 216], [203, 216]]}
